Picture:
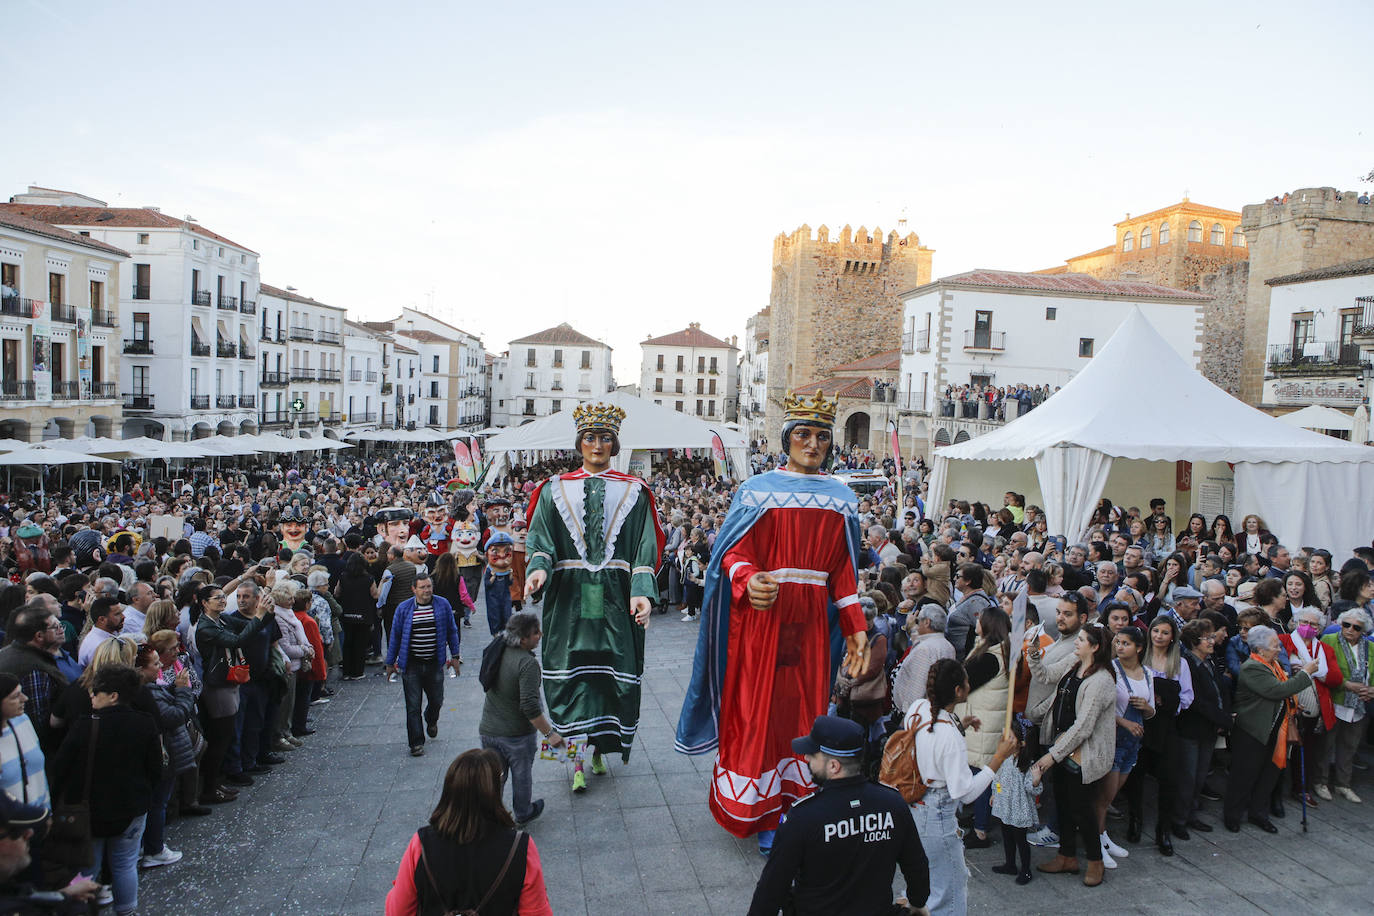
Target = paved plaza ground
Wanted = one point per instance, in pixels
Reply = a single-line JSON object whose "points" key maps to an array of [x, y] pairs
{"points": [[324, 833]]}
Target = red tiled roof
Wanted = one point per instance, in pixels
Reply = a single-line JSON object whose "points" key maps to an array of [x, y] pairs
{"points": [[1348, 269], [837, 387], [1064, 283], [116, 217], [562, 334], [47, 230], [687, 337], [402, 348], [426, 336], [889, 360], [267, 290], [1187, 206]]}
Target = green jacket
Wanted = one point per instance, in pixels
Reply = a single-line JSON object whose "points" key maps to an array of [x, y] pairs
{"points": [[1334, 640], [1260, 696]]}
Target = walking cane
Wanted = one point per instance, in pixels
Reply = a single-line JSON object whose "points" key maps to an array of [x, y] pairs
{"points": [[1302, 775]]}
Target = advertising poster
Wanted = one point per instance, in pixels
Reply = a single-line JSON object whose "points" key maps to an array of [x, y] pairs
{"points": [[83, 354], [42, 367]]}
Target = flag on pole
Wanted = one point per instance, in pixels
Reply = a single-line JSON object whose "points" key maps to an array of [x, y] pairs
{"points": [[897, 456], [478, 468], [464, 459], [718, 453]]}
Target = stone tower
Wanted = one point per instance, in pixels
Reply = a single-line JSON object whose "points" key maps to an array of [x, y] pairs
{"points": [[834, 302], [1311, 229]]}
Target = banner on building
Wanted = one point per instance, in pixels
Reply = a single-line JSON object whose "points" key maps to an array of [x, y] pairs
{"points": [[42, 352], [83, 353]]}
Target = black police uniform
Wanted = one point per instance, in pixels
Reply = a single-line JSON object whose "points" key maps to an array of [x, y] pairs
{"points": [[836, 853]]}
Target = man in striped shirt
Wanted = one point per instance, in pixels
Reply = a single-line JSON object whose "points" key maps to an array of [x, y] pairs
{"points": [[424, 638]]}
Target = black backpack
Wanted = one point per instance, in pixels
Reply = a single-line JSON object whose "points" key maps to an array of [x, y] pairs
{"points": [[491, 662]]}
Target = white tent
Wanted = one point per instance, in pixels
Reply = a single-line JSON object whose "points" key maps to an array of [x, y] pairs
{"points": [[1318, 417], [48, 457], [646, 426], [1112, 430]]}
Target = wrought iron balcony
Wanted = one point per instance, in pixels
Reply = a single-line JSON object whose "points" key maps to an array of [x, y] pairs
{"points": [[355, 375], [104, 318], [333, 416], [138, 401], [304, 416], [329, 337], [142, 292], [274, 418], [226, 401], [248, 306], [200, 402], [246, 352], [104, 390], [16, 307], [371, 376], [199, 349], [248, 400], [923, 341], [299, 374], [200, 297], [370, 417], [64, 313], [228, 303], [303, 334], [66, 390], [143, 347], [226, 350], [274, 380], [330, 375], [1313, 354], [12, 389]]}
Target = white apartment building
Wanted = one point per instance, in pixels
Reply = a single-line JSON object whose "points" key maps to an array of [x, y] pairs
{"points": [[753, 377], [187, 306], [310, 401], [451, 390], [553, 369], [498, 415], [401, 377], [691, 372], [362, 382], [1321, 338], [1004, 328], [59, 337]]}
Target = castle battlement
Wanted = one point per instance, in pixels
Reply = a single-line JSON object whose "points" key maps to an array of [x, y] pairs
{"points": [[850, 243], [1307, 203]]}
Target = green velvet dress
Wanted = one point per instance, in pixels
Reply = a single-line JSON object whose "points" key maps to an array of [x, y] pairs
{"points": [[597, 538]]}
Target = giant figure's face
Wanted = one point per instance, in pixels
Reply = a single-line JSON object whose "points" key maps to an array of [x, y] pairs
{"points": [[498, 515], [499, 557], [395, 533], [465, 537], [597, 446], [807, 448]]}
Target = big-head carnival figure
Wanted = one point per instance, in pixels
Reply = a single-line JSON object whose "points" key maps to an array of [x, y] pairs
{"points": [[593, 548], [779, 606]]}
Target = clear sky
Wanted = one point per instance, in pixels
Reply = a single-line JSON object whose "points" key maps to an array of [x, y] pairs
{"points": [[625, 166]]}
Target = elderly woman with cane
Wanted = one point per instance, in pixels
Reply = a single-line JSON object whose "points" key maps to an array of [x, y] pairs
{"points": [[1259, 740]]}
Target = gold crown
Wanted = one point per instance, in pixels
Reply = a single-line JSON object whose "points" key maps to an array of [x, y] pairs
{"points": [[598, 416], [815, 409]]}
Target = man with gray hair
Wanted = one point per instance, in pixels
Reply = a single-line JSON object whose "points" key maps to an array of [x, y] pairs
{"points": [[512, 713], [141, 596], [926, 626]]}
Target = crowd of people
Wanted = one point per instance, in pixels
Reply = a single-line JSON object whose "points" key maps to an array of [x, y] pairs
{"points": [[1190, 663], [965, 401]]}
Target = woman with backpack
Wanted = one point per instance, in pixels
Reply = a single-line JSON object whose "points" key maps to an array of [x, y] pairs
{"points": [[942, 767]]}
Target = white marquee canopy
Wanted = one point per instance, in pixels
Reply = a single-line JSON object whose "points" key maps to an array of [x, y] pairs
{"points": [[646, 426], [1115, 419]]}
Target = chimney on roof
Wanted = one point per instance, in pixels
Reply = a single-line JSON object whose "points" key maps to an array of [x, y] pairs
{"points": [[695, 325], [733, 338], [154, 209]]}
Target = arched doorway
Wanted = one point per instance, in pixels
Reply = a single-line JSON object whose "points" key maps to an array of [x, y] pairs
{"points": [[856, 430], [248, 428], [14, 429], [202, 430], [226, 428], [142, 426]]}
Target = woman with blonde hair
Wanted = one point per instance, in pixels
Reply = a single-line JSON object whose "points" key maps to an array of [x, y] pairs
{"points": [[161, 615]]}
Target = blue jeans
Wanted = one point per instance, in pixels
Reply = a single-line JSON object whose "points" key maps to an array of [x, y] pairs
{"points": [[155, 832], [123, 855], [427, 678], [939, 832], [517, 754]]}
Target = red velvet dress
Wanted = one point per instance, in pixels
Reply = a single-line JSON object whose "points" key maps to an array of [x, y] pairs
{"points": [[778, 678]]}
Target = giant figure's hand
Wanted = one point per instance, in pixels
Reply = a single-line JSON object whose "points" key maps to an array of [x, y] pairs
{"points": [[640, 608], [763, 591], [856, 656], [534, 582]]}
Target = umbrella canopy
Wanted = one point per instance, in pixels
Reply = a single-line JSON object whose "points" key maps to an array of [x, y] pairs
{"points": [[9, 445], [160, 449], [1318, 417], [225, 445], [41, 455]]}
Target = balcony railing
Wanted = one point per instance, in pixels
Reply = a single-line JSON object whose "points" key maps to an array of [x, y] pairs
{"points": [[333, 416], [63, 390], [226, 401], [199, 349], [142, 347], [1364, 324], [274, 380], [142, 292], [246, 352], [138, 401], [12, 389], [328, 337], [200, 297], [883, 395], [907, 342], [228, 303], [226, 350], [200, 402], [104, 318], [330, 375], [64, 313], [16, 307], [270, 336], [248, 306], [923, 341], [410, 398], [304, 416], [362, 418], [1314, 353], [274, 418], [371, 376], [355, 375], [104, 390], [978, 339], [914, 400], [302, 334], [299, 374]]}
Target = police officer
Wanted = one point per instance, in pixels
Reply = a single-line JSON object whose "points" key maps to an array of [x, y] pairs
{"points": [[836, 852]]}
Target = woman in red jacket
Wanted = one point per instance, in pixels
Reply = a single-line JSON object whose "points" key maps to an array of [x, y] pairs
{"points": [[1303, 645]]}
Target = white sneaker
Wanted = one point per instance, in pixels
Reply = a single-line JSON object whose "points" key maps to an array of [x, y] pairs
{"points": [[1043, 837], [1323, 793], [1107, 860], [391, 678], [686, 615], [320, 701], [104, 896], [1348, 794], [167, 856], [1111, 847]]}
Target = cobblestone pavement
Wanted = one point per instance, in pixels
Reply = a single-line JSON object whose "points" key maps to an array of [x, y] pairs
{"points": [[323, 834]]}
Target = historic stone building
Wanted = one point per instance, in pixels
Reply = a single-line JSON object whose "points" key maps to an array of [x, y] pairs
{"points": [[833, 302], [1187, 246], [866, 394], [1303, 230]]}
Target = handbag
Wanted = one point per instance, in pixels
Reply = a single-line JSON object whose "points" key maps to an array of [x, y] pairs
{"points": [[67, 848], [238, 672], [486, 898]]}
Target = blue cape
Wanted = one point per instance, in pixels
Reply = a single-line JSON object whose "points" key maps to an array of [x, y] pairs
{"points": [[697, 727]]}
